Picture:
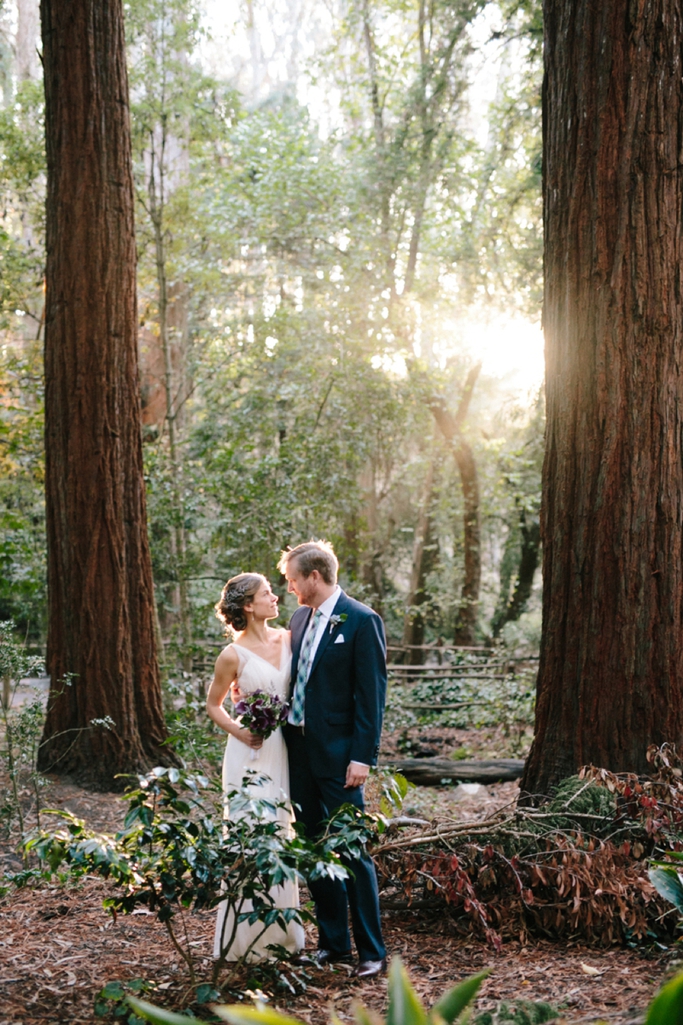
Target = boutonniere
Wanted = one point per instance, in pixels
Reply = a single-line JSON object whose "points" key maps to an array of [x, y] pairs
{"points": [[336, 620]]}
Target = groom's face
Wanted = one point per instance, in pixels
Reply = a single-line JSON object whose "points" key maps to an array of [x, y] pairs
{"points": [[305, 588]]}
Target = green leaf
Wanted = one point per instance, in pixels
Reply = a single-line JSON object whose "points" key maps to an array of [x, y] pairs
{"points": [[404, 1004], [112, 991], [667, 1006], [667, 881], [158, 1016], [206, 992], [456, 1000], [137, 985], [261, 1014]]}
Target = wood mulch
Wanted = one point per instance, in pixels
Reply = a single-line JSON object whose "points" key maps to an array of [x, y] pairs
{"points": [[58, 946]]}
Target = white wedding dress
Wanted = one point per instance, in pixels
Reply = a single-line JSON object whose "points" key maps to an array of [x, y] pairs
{"points": [[256, 673]]}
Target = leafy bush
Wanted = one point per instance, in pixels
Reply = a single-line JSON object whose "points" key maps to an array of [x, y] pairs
{"points": [[175, 855], [665, 876], [22, 728], [571, 867]]}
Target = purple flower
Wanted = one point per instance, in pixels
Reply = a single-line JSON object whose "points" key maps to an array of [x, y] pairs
{"points": [[262, 713]]}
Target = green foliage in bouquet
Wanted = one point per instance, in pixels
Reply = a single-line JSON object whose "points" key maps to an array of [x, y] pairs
{"points": [[175, 855]]}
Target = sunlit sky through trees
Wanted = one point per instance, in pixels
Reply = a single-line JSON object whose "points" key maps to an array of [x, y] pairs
{"points": [[284, 51]]}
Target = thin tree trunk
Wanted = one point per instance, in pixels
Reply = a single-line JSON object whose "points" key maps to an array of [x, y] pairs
{"points": [[101, 648], [27, 61], [610, 676], [513, 608], [383, 176], [156, 206], [451, 428], [423, 561], [371, 568]]}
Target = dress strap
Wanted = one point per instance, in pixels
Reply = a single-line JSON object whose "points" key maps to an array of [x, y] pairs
{"points": [[242, 653]]}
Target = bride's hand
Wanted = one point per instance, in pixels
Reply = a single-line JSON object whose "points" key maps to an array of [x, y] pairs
{"points": [[235, 692], [253, 740]]}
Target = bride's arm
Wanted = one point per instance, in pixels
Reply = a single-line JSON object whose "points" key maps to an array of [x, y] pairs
{"points": [[224, 674]]}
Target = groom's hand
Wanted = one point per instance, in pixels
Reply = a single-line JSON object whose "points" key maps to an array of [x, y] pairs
{"points": [[356, 775]]}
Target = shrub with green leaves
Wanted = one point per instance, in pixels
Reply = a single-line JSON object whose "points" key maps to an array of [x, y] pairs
{"points": [[21, 727], [176, 855], [665, 876]]}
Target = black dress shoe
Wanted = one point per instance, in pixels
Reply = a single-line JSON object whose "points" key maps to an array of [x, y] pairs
{"points": [[366, 969], [323, 957]]}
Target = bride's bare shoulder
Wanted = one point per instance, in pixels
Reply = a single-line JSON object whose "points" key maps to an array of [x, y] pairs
{"points": [[228, 660]]}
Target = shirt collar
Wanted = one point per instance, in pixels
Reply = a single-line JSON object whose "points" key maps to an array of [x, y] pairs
{"points": [[327, 607]]}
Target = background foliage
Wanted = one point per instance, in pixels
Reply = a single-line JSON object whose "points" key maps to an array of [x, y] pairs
{"points": [[295, 261]]}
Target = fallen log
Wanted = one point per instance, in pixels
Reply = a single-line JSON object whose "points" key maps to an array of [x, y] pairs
{"points": [[432, 772]]}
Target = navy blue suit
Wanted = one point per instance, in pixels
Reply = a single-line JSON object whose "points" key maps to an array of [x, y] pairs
{"points": [[344, 706]]}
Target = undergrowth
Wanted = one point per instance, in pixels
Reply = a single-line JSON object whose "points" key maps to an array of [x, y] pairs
{"points": [[573, 868]]}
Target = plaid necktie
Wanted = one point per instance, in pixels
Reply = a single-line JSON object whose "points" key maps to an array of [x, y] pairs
{"points": [[296, 713]]}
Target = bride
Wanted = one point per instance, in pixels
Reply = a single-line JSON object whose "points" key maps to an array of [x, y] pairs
{"points": [[259, 658]]}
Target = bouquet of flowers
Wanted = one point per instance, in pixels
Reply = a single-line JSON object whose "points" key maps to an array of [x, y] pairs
{"points": [[261, 713]]}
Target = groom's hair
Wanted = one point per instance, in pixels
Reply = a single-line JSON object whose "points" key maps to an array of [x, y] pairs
{"points": [[312, 555]]}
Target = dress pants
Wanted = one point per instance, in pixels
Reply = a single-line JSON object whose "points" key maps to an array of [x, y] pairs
{"points": [[318, 799]]}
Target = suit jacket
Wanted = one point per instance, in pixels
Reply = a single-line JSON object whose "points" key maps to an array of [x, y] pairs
{"points": [[346, 689]]}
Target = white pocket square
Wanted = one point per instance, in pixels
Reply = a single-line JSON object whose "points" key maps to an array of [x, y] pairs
{"points": [[339, 639]]}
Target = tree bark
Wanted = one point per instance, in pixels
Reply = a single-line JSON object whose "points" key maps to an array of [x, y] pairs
{"points": [[451, 428], [101, 649], [611, 664]]}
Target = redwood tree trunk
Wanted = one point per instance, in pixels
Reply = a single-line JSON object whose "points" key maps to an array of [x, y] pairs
{"points": [[101, 614], [611, 669]]}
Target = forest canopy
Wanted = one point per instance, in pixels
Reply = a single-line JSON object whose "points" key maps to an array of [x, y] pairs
{"points": [[319, 242]]}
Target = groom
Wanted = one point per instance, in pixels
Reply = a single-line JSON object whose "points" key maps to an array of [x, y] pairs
{"points": [[339, 679]]}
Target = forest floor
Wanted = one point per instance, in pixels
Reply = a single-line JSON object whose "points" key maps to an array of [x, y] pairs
{"points": [[59, 947]]}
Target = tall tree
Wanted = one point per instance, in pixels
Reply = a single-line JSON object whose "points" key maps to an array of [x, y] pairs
{"points": [[101, 651], [451, 427], [611, 669]]}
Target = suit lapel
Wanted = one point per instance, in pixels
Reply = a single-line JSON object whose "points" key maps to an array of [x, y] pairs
{"points": [[298, 628], [327, 636]]}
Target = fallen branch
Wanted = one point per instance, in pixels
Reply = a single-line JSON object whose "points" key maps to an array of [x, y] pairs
{"points": [[432, 772]]}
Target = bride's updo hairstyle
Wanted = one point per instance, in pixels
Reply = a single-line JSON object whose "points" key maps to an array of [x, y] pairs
{"points": [[237, 593]]}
